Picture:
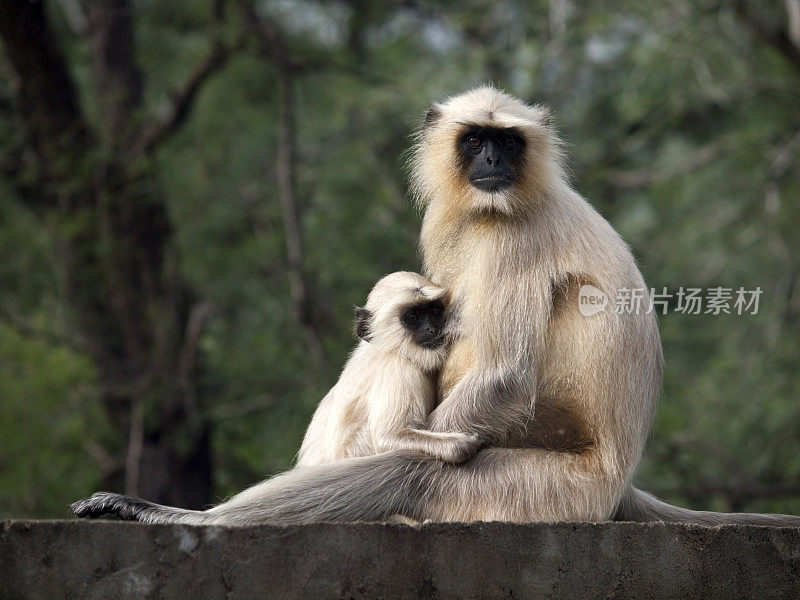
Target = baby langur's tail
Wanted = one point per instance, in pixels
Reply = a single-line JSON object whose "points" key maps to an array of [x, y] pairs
{"points": [[642, 507], [370, 488]]}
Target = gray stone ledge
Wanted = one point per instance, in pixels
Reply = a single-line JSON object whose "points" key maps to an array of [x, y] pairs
{"points": [[107, 559]]}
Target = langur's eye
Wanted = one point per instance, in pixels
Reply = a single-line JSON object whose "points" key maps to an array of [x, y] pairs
{"points": [[509, 142], [474, 141], [411, 317]]}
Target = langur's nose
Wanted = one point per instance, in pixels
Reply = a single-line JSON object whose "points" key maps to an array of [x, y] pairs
{"points": [[491, 153]]}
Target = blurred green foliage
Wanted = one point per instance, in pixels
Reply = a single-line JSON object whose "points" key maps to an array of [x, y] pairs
{"points": [[683, 129]]}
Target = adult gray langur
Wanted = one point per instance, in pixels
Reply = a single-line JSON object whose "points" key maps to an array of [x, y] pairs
{"points": [[565, 401]]}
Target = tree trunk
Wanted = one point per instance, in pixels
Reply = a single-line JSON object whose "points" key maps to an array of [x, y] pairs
{"points": [[133, 314]]}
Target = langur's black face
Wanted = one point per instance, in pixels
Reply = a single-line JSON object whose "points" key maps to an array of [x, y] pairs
{"points": [[491, 157], [425, 323]]}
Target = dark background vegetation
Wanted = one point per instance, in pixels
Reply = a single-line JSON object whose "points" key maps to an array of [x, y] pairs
{"points": [[194, 194]]}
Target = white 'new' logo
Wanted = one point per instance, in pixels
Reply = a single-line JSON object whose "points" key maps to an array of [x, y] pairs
{"points": [[591, 300]]}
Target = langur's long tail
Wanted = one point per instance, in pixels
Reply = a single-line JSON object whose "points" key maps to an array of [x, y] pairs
{"points": [[133, 509], [642, 507], [371, 488]]}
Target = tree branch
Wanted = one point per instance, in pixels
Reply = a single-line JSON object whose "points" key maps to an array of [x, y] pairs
{"points": [[12, 318], [73, 13], [326, 64], [778, 37], [156, 134], [646, 177], [241, 408], [133, 454], [107, 464], [785, 156], [47, 98], [793, 17], [118, 78], [271, 44], [298, 287], [198, 317]]}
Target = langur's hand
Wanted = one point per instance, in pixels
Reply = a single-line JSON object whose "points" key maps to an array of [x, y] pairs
{"points": [[459, 448]]}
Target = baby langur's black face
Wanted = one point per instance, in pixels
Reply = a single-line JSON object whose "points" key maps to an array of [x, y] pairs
{"points": [[425, 323], [491, 157]]}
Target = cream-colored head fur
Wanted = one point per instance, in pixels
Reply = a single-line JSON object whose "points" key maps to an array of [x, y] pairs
{"points": [[435, 172], [387, 301]]}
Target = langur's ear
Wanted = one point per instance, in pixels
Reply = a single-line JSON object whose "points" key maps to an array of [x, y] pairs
{"points": [[545, 116], [432, 116], [446, 298], [363, 321]]}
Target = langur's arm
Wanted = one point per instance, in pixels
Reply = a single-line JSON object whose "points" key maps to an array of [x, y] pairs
{"points": [[396, 411], [496, 394], [487, 403], [451, 447]]}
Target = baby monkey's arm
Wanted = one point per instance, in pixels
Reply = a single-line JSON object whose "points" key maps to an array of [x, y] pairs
{"points": [[452, 447], [399, 409]]}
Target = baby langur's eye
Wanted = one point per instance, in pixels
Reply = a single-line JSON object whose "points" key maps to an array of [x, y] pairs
{"points": [[509, 141], [474, 141]]}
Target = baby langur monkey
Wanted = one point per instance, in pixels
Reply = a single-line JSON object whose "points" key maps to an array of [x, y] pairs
{"points": [[382, 398], [387, 388]]}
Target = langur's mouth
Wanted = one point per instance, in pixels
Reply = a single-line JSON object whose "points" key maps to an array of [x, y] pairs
{"points": [[492, 183], [433, 343]]}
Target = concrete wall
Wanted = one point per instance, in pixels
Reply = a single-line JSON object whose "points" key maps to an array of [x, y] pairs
{"points": [[114, 560]]}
